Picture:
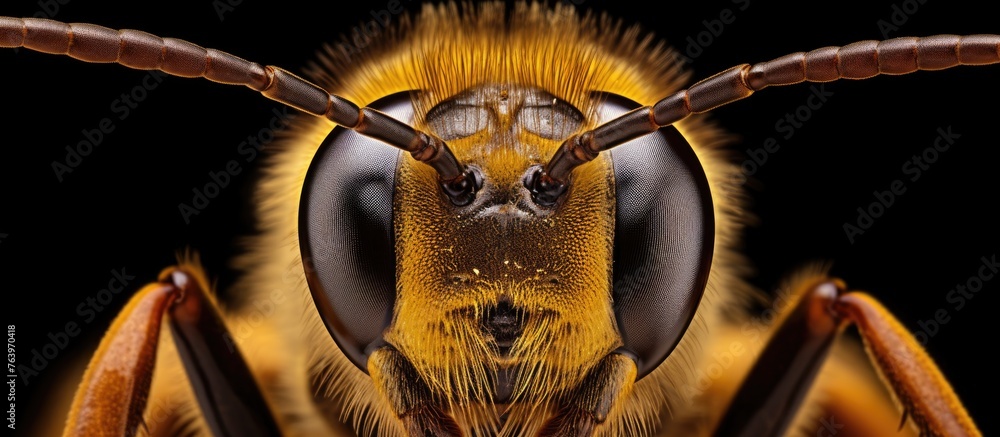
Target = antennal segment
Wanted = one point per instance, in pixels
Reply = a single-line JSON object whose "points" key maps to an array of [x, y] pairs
{"points": [[144, 51], [860, 60]]}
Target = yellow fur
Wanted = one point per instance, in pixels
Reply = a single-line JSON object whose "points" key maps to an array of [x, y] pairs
{"points": [[448, 49]]}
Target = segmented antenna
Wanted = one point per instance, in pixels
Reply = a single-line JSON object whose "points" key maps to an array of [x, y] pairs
{"points": [[860, 60], [143, 51]]}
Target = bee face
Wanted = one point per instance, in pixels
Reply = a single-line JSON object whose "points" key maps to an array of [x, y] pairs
{"points": [[132, 176], [504, 281]]}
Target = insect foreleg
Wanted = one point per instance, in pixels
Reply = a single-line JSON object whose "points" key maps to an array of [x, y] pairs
{"points": [[111, 399], [115, 387], [773, 391], [227, 393], [918, 383]]}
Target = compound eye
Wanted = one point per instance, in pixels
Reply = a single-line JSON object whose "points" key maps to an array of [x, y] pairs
{"points": [[664, 238], [346, 233], [553, 119]]}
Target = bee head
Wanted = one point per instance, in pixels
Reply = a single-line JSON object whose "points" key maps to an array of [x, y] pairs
{"points": [[619, 262], [507, 290]]}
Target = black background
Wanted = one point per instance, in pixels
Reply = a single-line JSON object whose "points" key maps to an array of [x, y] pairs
{"points": [[119, 208]]}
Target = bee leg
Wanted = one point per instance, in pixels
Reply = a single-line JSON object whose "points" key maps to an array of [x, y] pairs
{"points": [[917, 382], [773, 390], [589, 405], [115, 387], [408, 395], [227, 393], [112, 396]]}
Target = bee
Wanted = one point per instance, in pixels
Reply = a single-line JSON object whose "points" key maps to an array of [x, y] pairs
{"points": [[204, 227]]}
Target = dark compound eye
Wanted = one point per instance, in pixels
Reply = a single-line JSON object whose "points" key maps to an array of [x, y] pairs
{"points": [[664, 238], [346, 237]]}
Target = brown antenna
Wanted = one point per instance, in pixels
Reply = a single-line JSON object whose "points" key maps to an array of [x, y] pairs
{"points": [[860, 60], [143, 51]]}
